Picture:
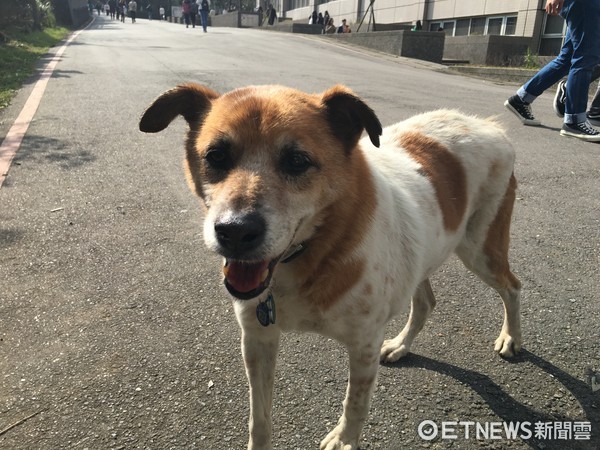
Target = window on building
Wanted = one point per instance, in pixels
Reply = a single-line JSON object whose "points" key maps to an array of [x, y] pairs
{"points": [[494, 25], [447, 26], [506, 25], [511, 26], [477, 26], [503, 25], [462, 27], [552, 37]]}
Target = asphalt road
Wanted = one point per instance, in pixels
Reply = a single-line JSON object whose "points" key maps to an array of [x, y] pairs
{"points": [[115, 332]]}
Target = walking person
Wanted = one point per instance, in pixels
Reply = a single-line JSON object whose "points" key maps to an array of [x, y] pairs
{"points": [[204, 10], [193, 13], [186, 8], [132, 10], [112, 4], [123, 9], [272, 14], [578, 56]]}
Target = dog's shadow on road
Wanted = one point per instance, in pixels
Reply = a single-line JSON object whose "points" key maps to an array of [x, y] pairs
{"points": [[510, 410]]}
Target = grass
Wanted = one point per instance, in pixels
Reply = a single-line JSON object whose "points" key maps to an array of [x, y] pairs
{"points": [[19, 55]]}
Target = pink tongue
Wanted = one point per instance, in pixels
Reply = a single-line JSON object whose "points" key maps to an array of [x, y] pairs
{"points": [[245, 277]]}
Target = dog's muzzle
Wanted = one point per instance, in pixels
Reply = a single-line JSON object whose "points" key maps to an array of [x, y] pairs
{"points": [[240, 238]]}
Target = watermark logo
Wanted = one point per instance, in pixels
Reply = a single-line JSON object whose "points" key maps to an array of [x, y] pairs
{"points": [[429, 430]]}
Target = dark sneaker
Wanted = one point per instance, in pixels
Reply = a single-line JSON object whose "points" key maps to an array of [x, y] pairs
{"points": [[593, 116], [522, 110], [559, 98], [583, 131]]}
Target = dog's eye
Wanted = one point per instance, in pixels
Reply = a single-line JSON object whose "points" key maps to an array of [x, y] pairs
{"points": [[218, 158], [295, 162]]}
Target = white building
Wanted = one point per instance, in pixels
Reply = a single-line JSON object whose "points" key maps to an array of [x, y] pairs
{"points": [[524, 18]]}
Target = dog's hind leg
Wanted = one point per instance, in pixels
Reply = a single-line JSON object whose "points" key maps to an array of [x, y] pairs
{"points": [[488, 259], [508, 286], [422, 305]]}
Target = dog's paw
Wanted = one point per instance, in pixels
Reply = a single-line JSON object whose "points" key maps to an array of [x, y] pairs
{"points": [[393, 349], [508, 346], [336, 440]]}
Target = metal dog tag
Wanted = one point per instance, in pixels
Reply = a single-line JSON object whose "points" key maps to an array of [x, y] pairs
{"points": [[265, 311]]}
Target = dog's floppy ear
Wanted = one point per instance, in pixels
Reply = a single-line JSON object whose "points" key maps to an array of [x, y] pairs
{"points": [[348, 116], [191, 100]]}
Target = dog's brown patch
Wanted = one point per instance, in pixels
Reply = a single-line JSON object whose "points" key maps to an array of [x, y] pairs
{"points": [[444, 170], [498, 239], [330, 268]]}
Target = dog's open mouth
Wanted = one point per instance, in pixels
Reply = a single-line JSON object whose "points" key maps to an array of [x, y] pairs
{"points": [[247, 279]]}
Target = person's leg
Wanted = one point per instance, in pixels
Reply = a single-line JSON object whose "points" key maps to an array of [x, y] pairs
{"points": [[582, 21], [549, 74], [519, 104], [204, 20], [593, 114]]}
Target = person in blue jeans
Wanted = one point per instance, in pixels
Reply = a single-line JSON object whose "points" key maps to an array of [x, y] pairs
{"points": [[593, 114], [578, 56], [204, 9]]}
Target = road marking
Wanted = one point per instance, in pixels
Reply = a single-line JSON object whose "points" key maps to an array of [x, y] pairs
{"points": [[14, 137]]}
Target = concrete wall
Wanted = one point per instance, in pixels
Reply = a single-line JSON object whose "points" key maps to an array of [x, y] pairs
{"points": [[305, 28], [487, 50], [234, 20], [249, 20], [231, 20], [426, 45]]}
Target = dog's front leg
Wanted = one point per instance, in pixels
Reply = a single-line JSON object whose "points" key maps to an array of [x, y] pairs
{"points": [[259, 349], [364, 364]]}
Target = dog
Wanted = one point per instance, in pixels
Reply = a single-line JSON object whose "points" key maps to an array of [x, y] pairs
{"points": [[323, 231]]}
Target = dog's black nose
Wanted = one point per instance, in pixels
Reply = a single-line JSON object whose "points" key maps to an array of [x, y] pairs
{"points": [[241, 234]]}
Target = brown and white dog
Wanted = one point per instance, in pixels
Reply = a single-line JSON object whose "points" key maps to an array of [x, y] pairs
{"points": [[327, 233]]}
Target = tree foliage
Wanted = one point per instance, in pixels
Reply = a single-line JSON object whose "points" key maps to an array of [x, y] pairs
{"points": [[26, 15]]}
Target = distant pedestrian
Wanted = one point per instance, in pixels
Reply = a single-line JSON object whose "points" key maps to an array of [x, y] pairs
{"points": [[132, 10], [330, 28], [418, 26], [344, 28], [313, 17], [272, 15], [321, 19], [149, 11], [161, 13], [260, 13], [194, 13], [123, 9], [113, 8], [204, 10], [326, 18], [186, 7]]}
